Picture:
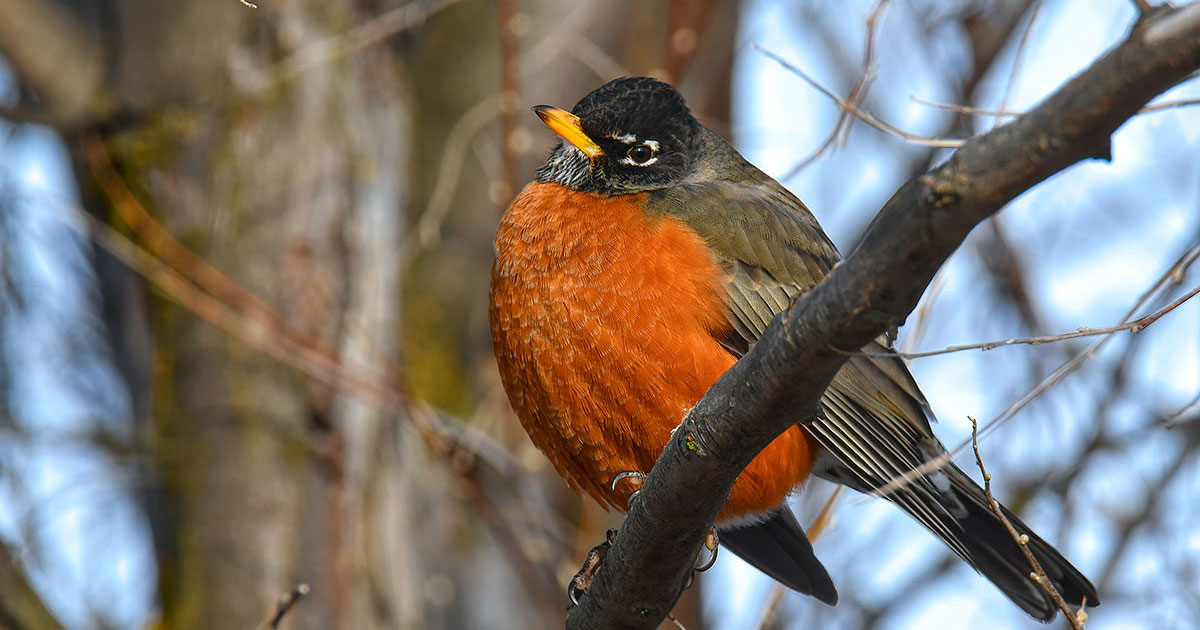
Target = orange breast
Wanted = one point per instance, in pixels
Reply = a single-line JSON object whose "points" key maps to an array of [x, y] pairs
{"points": [[604, 323]]}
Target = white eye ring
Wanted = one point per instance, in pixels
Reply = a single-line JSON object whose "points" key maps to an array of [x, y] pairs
{"points": [[647, 144]]}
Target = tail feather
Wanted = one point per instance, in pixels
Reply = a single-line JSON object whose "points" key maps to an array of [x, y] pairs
{"points": [[990, 548], [873, 430], [778, 547]]}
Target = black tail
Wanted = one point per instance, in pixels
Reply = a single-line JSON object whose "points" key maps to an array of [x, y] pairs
{"points": [[779, 548], [977, 534], [874, 430]]}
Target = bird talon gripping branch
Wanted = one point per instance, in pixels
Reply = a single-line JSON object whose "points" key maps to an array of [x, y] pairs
{"points": [[583, 578], [712, 544], [636, 479], [646, 259]]}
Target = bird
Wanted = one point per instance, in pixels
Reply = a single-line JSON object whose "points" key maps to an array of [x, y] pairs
{"points": [[648, 256]]}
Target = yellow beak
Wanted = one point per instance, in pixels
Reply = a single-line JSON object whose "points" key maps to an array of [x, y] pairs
{"points": [[567, 126]]}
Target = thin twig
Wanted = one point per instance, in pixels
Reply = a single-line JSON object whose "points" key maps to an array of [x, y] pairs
{"points": [[1017, 61], [866, 117], [984, 111], [367, 34], [434, 426], [918, 322], [286, 602], [312, 363], [769, 606], [824, 517], [247, 3], [1174, 273], [428, 227], [591, 55], [859, 91], [1176, 418], [1075, 618], [1159, 107], [1135, 326], [535, 581]]}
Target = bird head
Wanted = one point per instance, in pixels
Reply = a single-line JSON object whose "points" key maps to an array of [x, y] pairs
{"points": [[630, 135]]}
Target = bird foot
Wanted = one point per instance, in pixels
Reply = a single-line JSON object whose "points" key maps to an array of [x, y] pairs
{"points": [[712, 543], [635, 478], [591, 564], [596, 555]]}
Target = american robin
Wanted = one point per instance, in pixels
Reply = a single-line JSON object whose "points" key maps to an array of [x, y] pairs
{"points": [[646, 258]]}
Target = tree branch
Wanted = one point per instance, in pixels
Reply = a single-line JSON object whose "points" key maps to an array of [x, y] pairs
{"points": [[52, 52], [782, 378], [20, 604]]}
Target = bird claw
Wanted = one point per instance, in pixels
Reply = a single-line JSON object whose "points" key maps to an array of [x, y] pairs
{"points": [[636, 478], [597, 554], [713, 544], [591, 564]]}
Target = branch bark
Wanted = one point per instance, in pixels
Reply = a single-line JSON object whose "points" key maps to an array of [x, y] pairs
{"points": [[782, 378]]}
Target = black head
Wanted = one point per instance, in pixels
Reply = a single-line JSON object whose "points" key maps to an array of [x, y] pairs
{"points": [[632, 134]]}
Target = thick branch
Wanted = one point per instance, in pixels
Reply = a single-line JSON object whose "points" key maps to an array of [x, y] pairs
{"points": [[782, 378]]}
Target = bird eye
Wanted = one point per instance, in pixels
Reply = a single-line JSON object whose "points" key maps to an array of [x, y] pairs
{"points": [[640, 154]]}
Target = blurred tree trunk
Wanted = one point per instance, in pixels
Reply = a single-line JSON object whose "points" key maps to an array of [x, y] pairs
{"points": [[262, 478], [271, 479]]}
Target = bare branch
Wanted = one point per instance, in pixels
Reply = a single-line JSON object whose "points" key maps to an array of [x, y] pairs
{"points": [[769, 606], [428, 228], [286, 603], [1134, 326], [229, 307], [1173, 273], [866, 117], [983, 111], [857, 92], [1075, 618], [1017, 60], [369, 33], [781, 379], [1176, 418]]}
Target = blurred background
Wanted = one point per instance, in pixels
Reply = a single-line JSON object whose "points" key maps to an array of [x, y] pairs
{"points": [[244, 258]]}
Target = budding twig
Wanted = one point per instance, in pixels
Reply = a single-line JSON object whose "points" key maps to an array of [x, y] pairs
{"points": [[1075, 618], [286, 602]]}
